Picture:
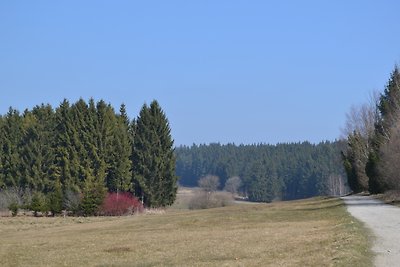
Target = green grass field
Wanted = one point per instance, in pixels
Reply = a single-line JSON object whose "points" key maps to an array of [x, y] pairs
{"points": [[314, 232]]}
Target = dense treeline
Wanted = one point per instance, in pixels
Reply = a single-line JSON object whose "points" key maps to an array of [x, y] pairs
{"points": [[373, 136], [283, 171], [86, 149]]}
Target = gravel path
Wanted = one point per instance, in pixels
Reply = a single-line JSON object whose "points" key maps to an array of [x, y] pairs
{"points": [[384, 221]]}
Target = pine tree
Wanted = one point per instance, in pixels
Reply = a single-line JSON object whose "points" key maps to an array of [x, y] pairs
{"points": [[66, 167], [2, 138], [264, 185], [119, 171], [55, 198], [37, 153], [94, 193], [355, 160], [389, 109], [39, 203], [153, 158], [12, 134]]}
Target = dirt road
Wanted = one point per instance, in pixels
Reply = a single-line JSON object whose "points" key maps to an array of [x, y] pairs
{"points": [[384, 222]]}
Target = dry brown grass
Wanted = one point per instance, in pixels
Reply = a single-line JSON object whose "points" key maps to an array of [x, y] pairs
{"points": [[316, 232]]}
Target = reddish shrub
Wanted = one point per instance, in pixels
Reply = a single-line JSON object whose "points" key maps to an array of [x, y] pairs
{"points": [[117, 204]]}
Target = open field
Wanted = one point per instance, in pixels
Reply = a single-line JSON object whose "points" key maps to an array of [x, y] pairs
{"points": [[314, 232]]}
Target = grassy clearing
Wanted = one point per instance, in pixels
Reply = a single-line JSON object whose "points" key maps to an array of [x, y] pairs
{"points": [[315, 232]]}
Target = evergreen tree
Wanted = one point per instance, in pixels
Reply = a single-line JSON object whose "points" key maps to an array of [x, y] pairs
{"points": [[12, 134], [77, 152], [2, 138], [66, 161], [94, 193], [120, 172], [264, 185], [39, 203], [37, 154], [355, 161], [55, 199], [153, 158], [298, 169], [389, 109]]}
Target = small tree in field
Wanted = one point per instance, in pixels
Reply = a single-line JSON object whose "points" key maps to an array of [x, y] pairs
{"points": [[207, 197], [118, 204], [209, 183], [232, 185], [93, 195], [39, 203]]}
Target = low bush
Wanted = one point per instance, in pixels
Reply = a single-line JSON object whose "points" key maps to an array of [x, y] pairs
{"points": [[39, 203], [14, 207], [118, 204], [206, 200]]}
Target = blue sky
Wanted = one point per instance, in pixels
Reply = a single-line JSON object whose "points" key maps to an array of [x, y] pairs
{"points": [[223, 71]]}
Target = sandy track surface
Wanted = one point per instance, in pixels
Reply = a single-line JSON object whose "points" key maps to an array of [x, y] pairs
{"points": [[384, 222]]}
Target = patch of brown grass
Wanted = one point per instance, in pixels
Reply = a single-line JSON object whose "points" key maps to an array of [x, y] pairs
{"points": [[315, 232], [118, 249]]}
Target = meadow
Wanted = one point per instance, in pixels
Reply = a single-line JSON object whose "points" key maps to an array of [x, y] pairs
{"points": [[312, 232]]}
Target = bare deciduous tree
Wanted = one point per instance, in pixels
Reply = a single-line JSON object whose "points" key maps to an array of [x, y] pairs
{"points": [[337, 185], [209, 183], [362, 119], [233, 184], [359, 129]]}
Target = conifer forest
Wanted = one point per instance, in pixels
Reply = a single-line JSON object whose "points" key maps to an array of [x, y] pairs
{"points": [[268, 172], [71, 156]]}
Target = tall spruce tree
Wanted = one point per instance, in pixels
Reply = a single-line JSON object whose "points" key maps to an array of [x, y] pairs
{"points": [[66, 163], [2, 181], [355, 160], [153, 158], [37, 155], [389, 109], [12, 134]]}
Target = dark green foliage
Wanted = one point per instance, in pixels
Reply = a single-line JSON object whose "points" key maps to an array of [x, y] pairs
{"points": [[94, 193], [375, 184], [371, 157], [263, 184], [55, 199], [153, 158], [389, 111], [283, 171], [11, 143], [14, 207], [37, 155], [120, 165], [355, 160], [39, 203], [72, 155]]}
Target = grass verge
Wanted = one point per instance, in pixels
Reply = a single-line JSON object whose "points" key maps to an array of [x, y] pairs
{"points": [[314, 232]]}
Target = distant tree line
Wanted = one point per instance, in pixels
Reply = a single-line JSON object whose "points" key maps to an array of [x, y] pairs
{"points": [[74, 154], [372, 156], [267, 172]]}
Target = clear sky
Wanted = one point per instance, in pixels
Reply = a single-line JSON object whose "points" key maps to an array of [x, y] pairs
{"points": [[223, 71]]}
